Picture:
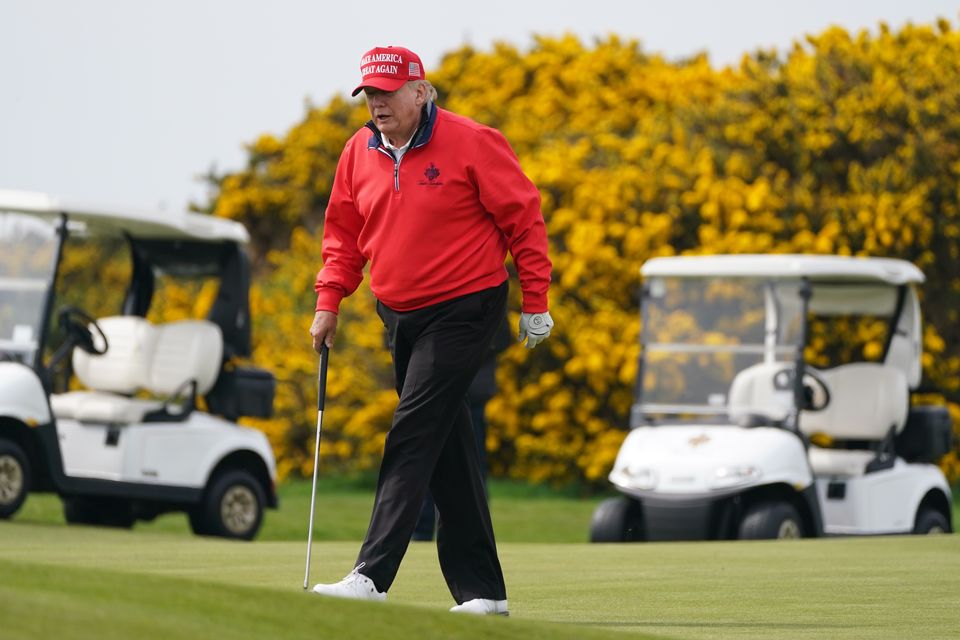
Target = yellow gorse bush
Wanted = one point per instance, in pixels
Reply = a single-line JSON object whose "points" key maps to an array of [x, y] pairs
{"points": [[848, 144]]}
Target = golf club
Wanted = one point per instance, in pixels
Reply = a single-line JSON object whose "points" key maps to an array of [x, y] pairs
{"points": [[321, 393]]}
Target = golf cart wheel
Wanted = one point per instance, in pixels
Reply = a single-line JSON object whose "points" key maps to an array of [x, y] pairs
{"points": [[930, 521], [232, 507], [617, 520], [771, 521], [14, 478], [100, 512]]}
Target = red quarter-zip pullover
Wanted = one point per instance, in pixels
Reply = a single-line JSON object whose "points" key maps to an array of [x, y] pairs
{"points": [[437, 224]]}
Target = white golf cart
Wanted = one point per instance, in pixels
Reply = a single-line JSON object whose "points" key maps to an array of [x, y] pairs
{"points": [[132, 443], [736, 435]]}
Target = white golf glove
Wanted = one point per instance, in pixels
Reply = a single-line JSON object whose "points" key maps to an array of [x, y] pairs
{"points": [[535, 327]]}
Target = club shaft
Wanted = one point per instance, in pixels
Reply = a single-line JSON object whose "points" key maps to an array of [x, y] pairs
{"points": [[313, 500], [321, 394]]}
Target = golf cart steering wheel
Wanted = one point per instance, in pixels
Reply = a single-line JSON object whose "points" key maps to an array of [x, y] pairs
{"points": [[76, 324], [816, 393]]}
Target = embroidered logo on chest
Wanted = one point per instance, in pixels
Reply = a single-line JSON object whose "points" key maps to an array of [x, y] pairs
{"points": [[432, 175]]}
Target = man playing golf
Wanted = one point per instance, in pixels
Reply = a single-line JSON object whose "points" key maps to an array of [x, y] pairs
{"points": [[433, 201]]}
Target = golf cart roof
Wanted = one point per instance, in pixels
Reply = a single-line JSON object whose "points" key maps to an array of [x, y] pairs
{"points": [[815, 267], [111, 221]]}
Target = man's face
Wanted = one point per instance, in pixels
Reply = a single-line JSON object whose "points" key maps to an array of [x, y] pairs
{"points": [[396, 113]]}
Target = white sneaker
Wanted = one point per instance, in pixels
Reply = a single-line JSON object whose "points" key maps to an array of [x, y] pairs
{"points": [[355, 586], [482, 607]]}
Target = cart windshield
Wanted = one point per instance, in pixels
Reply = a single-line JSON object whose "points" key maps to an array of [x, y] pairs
{"points": [[699, 333], [28, 251]]}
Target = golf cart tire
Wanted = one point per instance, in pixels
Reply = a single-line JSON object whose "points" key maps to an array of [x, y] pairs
{"points": [[100, 512], [617, 519], [771, 521], [930, 521], [14, 478], [232, 507]]}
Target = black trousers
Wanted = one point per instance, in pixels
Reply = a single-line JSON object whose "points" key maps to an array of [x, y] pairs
{"points": [[427, 520], [437, 351]]}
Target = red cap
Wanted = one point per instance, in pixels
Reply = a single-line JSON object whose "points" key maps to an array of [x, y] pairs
{"points": [[389, 68]]}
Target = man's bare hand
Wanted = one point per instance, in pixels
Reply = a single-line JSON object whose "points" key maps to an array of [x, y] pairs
{"points": [[323, 329]]}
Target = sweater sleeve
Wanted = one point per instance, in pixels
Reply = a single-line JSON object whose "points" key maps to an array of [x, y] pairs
{"points": [[514, 202], [343, 263]]}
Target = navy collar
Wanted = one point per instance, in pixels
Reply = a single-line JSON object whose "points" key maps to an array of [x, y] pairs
{"points": [[428, 118]]}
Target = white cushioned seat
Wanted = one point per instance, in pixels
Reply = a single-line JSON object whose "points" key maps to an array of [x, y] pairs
{"points": [[752, 393], [67, 405], [125, 366], [185, 350], [867, 400], [840, 462], [161, 359], [122, 369], [115, 409]]}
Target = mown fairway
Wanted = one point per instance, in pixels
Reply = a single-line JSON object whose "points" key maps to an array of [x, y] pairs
{"points": [[79, 582]]}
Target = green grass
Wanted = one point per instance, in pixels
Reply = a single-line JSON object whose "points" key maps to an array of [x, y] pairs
{"points": [[521, 513], [84, 582], [159, 581]]}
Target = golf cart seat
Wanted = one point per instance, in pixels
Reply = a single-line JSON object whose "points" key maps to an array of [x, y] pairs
{"points": [[177, 360], [120, 371], [868, 406], [753, 398]]}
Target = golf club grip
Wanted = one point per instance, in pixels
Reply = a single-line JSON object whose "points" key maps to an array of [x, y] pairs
{"points": [[322, 385]]}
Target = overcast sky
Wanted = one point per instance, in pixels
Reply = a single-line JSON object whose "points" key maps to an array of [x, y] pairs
{"points": [[126, 102]]}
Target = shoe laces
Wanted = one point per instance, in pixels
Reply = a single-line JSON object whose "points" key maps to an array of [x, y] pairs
{"points": [[354, 575]]}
